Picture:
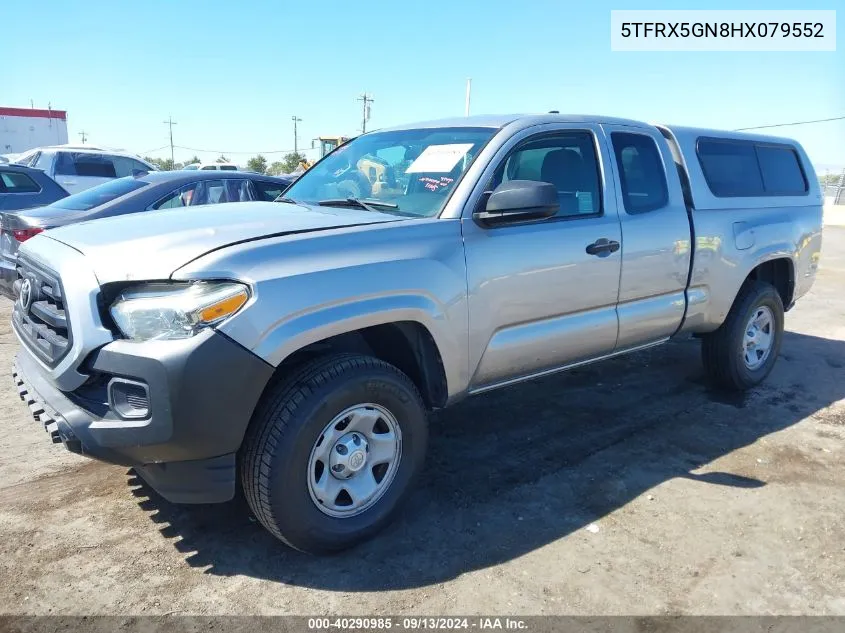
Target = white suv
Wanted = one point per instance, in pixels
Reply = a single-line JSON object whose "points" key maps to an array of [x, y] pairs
{"points": [[80, 167], [213, 166]]}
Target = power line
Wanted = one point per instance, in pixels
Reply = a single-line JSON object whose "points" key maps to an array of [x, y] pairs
{"points": [[155, 149], [763, 127], [220, 151], [369, 99]]}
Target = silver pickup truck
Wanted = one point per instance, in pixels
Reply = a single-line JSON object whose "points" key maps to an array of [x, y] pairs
{"points": [[296, 346]]}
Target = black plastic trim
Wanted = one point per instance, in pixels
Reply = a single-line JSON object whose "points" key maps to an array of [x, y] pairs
{"points": [[203, 391], [202, 481]]}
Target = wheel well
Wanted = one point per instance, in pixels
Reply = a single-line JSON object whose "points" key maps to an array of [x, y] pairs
{"points": [[779, 273], [407, 345]]}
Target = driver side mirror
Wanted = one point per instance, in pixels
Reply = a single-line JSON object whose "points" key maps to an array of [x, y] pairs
{"points": [[518, 201]]}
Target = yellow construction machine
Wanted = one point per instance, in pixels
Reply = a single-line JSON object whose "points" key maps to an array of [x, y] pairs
{"points": [[328, 144]]}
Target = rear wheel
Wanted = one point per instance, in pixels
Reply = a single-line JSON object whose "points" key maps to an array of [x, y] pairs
{"points": [[332, 451], [742, 352]]}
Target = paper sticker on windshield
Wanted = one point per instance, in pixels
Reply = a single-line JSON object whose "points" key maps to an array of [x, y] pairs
{"points": [[439, 158]]}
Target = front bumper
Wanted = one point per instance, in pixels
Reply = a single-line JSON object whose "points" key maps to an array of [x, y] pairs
{"points": [[202, 392]]}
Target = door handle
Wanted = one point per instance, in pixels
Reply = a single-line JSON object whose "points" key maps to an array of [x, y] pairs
{"points": [[603, 247]]}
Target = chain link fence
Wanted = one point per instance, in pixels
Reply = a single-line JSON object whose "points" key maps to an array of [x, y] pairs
{"points": [[835, 193]]}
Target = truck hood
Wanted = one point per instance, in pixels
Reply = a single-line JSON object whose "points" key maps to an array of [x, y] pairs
{"points": [[152, 245]]}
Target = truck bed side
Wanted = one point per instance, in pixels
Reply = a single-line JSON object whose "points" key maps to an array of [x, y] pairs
{"points": [[775, 238]]}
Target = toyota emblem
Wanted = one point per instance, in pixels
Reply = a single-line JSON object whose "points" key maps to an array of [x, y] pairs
{"points": [[25, 297]]}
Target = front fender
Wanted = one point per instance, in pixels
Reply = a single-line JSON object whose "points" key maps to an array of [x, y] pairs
{"points": [[314, 287]]}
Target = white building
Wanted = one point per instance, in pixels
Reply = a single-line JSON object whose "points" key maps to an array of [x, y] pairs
{"points": [[24, 128]]}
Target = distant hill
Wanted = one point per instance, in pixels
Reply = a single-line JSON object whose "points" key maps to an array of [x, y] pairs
{"points": [[827, 168]]}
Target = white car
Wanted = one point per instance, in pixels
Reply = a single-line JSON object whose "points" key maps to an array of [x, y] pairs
{"points": [[80, 167], [213, 166]]}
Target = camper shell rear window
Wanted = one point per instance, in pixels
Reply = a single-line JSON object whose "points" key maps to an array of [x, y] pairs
{"points": [[738, 169]]}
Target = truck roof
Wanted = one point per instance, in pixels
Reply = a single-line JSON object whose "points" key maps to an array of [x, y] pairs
{"points": [[683, 132], [500, 120]]}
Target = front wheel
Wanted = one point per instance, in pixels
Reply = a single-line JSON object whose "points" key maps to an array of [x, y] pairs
{"points": [[332, 451], [742, 352]]}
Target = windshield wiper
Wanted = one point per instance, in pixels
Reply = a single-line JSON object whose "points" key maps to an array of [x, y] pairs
{"points": [[366, 204], [283, 199]]}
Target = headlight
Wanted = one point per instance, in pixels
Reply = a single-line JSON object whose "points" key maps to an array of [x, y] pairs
{"points": [[172, 311]]}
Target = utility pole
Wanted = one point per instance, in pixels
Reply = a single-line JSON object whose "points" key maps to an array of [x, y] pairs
{"points": [[84, 136], [170, 122], [367, 100], [469, 90], [295, 136]]}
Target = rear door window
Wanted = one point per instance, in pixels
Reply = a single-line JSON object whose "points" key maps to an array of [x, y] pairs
{"points": [[641, 172], [269, 191], [211, 192], [237, 190], [16, 182], [182, 197], [64, 164], [125, 166]]}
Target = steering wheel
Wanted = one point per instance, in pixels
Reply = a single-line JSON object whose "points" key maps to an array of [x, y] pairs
{"points": [[354, 181]]}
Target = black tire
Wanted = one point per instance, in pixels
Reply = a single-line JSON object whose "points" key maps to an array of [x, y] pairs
{"points": [[287, 424], [722, 350]]}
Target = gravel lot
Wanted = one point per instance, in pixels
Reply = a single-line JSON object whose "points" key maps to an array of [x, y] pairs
{"points": [[622, 488]]}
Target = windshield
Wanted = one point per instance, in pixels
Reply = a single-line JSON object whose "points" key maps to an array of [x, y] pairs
{"points": [[100, 194], [407, 172]]}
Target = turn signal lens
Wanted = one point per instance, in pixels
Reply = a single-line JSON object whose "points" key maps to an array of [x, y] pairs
{"points": [[223, 308]]}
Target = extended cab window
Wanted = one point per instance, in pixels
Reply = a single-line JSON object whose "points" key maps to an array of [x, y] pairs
{"points": [[735, 168], [15, 182], [566, 160], [641, 172]]}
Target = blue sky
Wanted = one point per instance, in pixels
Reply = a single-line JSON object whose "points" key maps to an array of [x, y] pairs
{"points": [[233, 73]]}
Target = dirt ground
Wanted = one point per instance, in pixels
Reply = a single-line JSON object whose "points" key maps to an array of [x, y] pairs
{"points": [[621, 488]]}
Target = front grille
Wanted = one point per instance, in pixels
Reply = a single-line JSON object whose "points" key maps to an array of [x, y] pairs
{"points": [[39, 313]]}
